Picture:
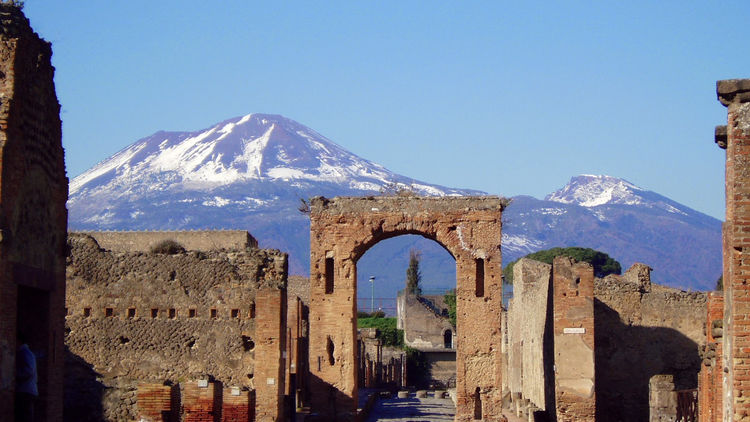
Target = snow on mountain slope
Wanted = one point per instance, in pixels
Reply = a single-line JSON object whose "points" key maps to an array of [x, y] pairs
{"points": [[251, 148], [592, 191]]}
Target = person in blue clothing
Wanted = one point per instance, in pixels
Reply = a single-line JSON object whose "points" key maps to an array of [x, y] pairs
{"points": [[26, 380]]}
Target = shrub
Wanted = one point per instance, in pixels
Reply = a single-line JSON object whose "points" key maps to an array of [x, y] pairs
{"points": [[603, 264], [387, 331], [169, 247]]}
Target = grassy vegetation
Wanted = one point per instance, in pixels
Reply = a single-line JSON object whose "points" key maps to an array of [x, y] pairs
{"points": [[388, 333], [450, 300]]}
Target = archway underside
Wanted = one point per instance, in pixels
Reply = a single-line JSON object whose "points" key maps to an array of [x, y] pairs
{"points": [[343, 229]]}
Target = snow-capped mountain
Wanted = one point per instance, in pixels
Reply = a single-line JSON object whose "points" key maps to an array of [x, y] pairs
{"points": [[250, 173], [630, 223]]}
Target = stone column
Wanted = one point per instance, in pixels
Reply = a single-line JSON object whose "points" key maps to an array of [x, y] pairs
{"points": [[573, 310], [735, 94]]}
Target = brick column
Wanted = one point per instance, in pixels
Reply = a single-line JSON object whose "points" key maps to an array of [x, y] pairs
{"points": [[154, 401], [573, 313], [710, 377], [270, 331], [735, 94]]}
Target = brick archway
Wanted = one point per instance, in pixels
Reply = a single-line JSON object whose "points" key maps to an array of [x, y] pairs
{"points": [[343, 229]]}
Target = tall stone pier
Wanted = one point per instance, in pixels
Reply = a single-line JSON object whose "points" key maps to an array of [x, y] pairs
{"points": [[735, 95], [343, 229], [33, 218]]}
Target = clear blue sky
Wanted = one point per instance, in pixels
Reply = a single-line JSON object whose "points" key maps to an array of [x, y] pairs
{"points": [[507, 97]]}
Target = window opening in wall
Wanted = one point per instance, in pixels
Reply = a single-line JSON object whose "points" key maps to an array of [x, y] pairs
{"points": [[329, 275], [252, 310], [109, 312], [154, 312], [191, 313], [329, 350], [235, 313], [86, 312], [448, 339], [131, 312], [172, 313], [479, 277], [477, 405], [214, 313]]}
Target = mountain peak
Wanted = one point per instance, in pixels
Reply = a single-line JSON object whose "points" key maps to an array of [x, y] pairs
{"points": [[593, 190]]}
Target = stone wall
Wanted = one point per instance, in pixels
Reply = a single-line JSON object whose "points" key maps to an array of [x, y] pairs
{"points": [[193, 240], [135, 317], [423, 321], [33, 218], [643, 330]]}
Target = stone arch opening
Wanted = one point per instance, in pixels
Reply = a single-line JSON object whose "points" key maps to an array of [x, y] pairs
{"points": [[344, 228], [448, 339]]}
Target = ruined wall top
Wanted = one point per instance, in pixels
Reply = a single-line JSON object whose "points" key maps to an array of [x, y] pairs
{"points": [[13, 23], [197, 240], [731, 91], [406, 204]]}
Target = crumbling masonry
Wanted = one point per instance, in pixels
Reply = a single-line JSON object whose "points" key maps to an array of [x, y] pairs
{"points": [[33, 218]]}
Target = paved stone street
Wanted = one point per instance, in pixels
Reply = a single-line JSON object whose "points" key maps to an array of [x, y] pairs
{"points": [[413, 409]]}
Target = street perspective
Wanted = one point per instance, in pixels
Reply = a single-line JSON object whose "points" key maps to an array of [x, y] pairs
{"points": [[552, 223]]}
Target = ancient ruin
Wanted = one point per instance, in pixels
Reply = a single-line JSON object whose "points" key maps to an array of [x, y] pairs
{"points": [[33, 218], [210, 325], [343, 229]]}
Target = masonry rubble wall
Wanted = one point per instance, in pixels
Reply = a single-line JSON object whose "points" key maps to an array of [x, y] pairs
{"points": [[135, 317], [33, 218]]}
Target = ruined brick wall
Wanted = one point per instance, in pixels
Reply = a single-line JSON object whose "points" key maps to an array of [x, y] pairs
{"points": [[343, 229], [194, 240], [137, 317], [643, 330], [710, 377], [735, 95], [33, 218]]}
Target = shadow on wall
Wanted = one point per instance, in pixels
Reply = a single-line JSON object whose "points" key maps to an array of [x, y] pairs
{"points": [[83, 391], [627, 356], [328, 411]]}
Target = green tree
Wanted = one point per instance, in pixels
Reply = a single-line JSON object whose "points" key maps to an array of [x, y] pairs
{"points": [[413, 275], [450, 300], [603, 264]]}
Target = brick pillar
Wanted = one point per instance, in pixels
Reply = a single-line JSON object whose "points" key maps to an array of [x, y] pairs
{"points": [[711, 374], [573, 314], [270, 331], [237, 405], [201, 401], [154, 402], [735, 94]]}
